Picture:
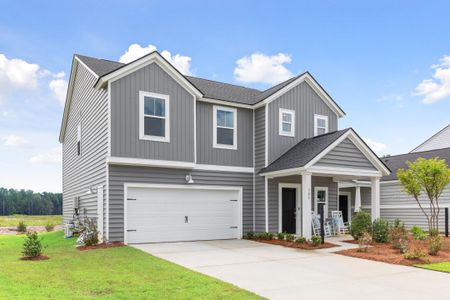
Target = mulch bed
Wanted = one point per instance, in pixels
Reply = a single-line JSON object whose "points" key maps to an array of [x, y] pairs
{"points": [[386, 253], [101, 246], [305, 246], [37, 258]]}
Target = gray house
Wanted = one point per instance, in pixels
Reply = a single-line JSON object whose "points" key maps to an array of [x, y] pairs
{"points": [[156, 156]]}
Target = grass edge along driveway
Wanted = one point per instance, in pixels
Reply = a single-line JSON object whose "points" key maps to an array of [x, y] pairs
{"points": [[441, 267], [114, 273]]}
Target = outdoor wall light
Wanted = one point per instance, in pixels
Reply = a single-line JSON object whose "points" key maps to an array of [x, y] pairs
{"points": [[189, 178], [92, 190]]}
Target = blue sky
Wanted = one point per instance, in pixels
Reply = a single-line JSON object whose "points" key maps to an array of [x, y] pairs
{"points": [[372, 58]]}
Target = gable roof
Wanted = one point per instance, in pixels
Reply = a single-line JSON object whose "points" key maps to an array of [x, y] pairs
{"points": [[99, 66], [396, 162], [443, 134]]}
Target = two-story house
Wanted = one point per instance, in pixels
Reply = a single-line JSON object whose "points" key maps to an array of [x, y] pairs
{"points": [[158, 156]]}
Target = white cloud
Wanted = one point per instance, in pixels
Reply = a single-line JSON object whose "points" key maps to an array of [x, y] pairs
{"points": [[135, 51], [437, 88], [17, 74], [59, 89], [53, 156], [261, 68], [375, 146], [13, 141], [393, 97]]}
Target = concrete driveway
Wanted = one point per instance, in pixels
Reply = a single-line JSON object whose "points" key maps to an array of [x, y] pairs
{"points": [[277, 272]]}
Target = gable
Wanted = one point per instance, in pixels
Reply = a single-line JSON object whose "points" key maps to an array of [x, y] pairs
{"points": [[346, 155], [438, 141]]}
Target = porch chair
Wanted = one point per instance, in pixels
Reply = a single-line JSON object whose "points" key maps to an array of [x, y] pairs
{"points": [[338, 222], [315, 222]]}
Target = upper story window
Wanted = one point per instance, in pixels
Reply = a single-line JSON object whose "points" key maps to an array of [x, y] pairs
{"points": [[224, 130], [286, 124], [320, 124], [154, 117], [79, 139]]}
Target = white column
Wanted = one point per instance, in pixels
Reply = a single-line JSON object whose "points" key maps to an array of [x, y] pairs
{"points": [[375, 199], [357, 198], [266, 204], [100, 212], [306, 205]]}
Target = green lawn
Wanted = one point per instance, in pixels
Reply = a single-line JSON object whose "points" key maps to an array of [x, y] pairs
{"points": [[443, 267], [14, 220], [114, 273]]}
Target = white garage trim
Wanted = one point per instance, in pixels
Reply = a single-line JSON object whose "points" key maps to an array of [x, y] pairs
{"points": [[178, 186]]}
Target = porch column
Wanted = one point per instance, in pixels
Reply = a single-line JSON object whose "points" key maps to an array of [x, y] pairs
{"points": [[306, 205], [357, 198], [375, 199]]}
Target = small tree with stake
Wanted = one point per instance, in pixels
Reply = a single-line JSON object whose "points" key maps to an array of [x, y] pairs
{"points": [[430, 176]]}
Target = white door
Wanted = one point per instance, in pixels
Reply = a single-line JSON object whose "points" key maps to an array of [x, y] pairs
{"points": [[155, 214]]}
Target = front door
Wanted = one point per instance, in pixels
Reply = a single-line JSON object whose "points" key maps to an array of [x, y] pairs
{"points": [[288, 209], [343, 206]]}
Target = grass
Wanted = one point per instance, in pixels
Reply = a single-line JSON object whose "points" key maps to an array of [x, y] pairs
{"points": [[113, 273], [13, 220], [442, 267]]}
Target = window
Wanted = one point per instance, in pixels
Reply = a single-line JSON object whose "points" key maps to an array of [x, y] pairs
{"points": [[286, 122], [154, 113], [321, 197], [224, 130], [320, 124], [79, 139]]}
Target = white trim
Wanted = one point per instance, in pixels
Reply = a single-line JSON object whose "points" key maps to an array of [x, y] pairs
{"points": [[317, 189], [127, 185], [100, 221], [343, 171], [224, 168], [215, 126], [320, 117], [290, 112], [254, 175], [298, 206], [149, 162], [266, 133], [166, 118], [349, 203], [406, 206], [225, 103], [195, 129], [106, 162], [266, 204]]}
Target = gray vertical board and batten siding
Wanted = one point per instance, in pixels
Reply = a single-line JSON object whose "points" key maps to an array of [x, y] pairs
{"points": [[305, 101], [206, 154], [125, 116], [260, 161], [346, 155], [89, 107], [118, 175]]}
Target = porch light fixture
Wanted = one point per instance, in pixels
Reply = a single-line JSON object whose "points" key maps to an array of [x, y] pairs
{"points": [[189, 179], [92, 190]]}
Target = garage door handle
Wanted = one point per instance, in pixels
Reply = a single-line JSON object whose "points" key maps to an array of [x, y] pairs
{"points": [[233, 227], [131, 230], [186, 219], [131, 199]]}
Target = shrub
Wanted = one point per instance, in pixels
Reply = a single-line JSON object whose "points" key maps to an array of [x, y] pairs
{"points": [[49, 227], [361, 223], [249, 235], [280, 235], [32, 247], [300, 240], [434, 232], [265, 236], [364, 241], [316, 240], [435, 245], [380, 231], [290, 237], [88, 233], [418, 233], [398, 234], [414, 254], [21, 227]]}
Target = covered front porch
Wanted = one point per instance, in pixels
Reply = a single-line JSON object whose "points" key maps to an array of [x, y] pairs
{"points": [[302, 179]]}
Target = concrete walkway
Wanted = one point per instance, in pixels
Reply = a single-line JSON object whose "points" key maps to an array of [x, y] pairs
{"points": [[278, 272]]}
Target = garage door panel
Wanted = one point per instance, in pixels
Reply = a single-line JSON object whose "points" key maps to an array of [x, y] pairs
{"points": [[159, 214]]}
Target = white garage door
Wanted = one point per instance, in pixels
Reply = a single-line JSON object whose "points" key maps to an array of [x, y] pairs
{"points": [[155, 214]]}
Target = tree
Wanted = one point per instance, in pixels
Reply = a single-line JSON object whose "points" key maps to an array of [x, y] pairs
{"points": [[429, 176]]}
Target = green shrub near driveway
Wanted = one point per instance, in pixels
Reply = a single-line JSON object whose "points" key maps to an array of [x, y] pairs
{"points": [[380, 231], [435, 245], [281, 235], [418, 233], [316, 240], [32, 247], [290, 237], [361, 222], [300, 240]]}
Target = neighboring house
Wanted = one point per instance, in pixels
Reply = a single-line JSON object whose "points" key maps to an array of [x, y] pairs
{"points": [[158, 156], [394, 202]]}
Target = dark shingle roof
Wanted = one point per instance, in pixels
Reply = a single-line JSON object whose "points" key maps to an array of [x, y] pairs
{"points": [[99, 66], [304, 151], [396, 162]]}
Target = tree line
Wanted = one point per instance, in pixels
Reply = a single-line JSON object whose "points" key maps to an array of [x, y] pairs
{"points": [[27, 202]]}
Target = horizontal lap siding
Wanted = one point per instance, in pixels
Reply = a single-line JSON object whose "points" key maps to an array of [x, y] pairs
{"points": [[260, 160], [128, 174], [89, 107]]}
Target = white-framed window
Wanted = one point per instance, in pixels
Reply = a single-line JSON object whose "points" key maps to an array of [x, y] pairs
{"points": [[154, 117], [320, 124], [321, 197], [79, 140], [286, 122], [224, 127]]}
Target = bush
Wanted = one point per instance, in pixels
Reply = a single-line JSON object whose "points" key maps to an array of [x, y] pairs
{"points": [[415, 254], [361, 223], [434, 232], [418, 233], [290, 237], [435, 245], [280, 235], [380, 231], [88, 233], [364, 241], [316, 240], [300, 240], [398, 234], [49, 227], [21, 227], [403, 245], [249, 235], [265, 236], [32, 246]]}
